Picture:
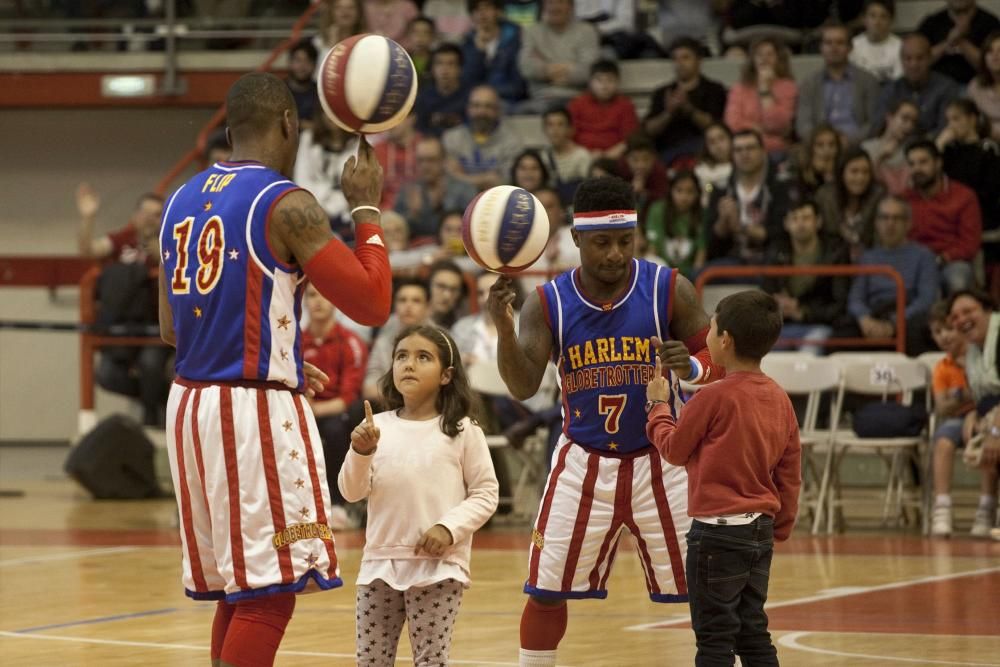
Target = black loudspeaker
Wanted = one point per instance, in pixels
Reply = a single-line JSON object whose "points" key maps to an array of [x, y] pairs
{"points": [[115, 461]]}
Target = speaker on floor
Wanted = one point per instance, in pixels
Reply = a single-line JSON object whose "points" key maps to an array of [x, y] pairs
{"points": [[115, 461]]}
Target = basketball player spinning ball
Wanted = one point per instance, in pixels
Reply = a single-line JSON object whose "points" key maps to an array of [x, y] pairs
{"points": [[602, 323], [236, 244]]}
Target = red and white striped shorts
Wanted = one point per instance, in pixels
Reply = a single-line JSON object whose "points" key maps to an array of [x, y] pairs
{"points": [[589, 500], [250, 480]]}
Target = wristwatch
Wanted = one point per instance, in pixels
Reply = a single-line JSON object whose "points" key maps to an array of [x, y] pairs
{"points": [[650, 403]]}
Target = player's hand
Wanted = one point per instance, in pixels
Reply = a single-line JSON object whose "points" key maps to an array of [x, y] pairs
{"points": [[435, 541], [87, 201], [364, 437], [658, 389], [315, 379], [361, 181], [674, 355], [500, 304]]}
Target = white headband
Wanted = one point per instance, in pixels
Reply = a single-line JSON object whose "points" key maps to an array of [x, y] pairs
{"points": [[604, 220]]}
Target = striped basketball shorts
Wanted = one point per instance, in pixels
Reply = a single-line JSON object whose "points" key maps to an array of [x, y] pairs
{"points": [[589, 500], [250, 479]]}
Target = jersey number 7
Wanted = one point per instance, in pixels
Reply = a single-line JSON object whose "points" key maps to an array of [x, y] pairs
{"points": [[612, 405], [211, 245]]}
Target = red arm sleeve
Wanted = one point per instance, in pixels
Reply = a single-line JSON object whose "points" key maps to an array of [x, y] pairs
{"points": [[704, 371], [675, 444], [358, 283], [353, 373], [788, 479]]}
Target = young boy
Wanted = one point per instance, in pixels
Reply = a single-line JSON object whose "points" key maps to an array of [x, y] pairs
{"points": [[603, 117], [877, 49], [739, 441], [952, 401]]}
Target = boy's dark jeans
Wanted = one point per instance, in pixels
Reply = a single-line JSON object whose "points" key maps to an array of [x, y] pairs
{"points": [[727, 573]]}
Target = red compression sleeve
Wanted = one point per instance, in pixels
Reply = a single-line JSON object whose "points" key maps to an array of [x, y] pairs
{"points": [[703, 370], [358, 283], [256, 629], [220, 625], [542, 626]]}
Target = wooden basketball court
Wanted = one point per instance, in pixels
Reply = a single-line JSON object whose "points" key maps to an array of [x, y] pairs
{"points": [[97, 583]]}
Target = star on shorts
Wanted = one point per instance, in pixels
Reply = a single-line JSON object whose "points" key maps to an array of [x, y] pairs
{"points": [[304, 512], [294, 455], [299, 483], [287, 425], [283, 322], [311, 560]]}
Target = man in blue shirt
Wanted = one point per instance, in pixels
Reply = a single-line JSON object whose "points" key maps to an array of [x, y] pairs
{"points": [[930, 91]]}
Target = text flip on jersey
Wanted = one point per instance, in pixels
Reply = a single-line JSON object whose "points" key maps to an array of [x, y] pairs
{"points": [[235, 306], [605, 357]]}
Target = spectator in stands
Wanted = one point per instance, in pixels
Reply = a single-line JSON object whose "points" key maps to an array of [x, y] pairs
{"points": [[529, 172], [955, 34], [984, 89], [420, 38], [556, 55], [396, 233], [425, 199], [876, 50], [602, 116], [390, 17], [750, 211], [490, 52], [971, 157], [675, 225], [887, 150], [816, 164], [560, 251], [342, 355], [476, 335], [410, 301], [929, 91], [441, 99], [945, 215], [302, 81], [566, 161], [974, 317], [451, 18], [616, 23], [952, 401], [397, 154], [338, 20], [840, 94], [715, 164], [847, 206], [681, 111], [323, 151], [603, 166], [647, 174], [810, 304], [127, 297], [482, 150], [217, 148], [448, 293], [872, 299], [764, 99]]}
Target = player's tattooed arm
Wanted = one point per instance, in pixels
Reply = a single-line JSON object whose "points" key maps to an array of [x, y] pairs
{"points": [[299, 228], [523, 356], [689, 317]]}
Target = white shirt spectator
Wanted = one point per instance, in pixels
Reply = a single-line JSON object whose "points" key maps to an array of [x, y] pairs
{"points": [[881, 60]]}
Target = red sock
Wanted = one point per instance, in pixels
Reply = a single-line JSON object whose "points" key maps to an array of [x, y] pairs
{"points": [[542, 626], [256, 630], [223, 614]]}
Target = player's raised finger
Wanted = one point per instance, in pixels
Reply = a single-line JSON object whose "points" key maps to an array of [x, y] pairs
{"points": [[369, 418], [659, 368]]}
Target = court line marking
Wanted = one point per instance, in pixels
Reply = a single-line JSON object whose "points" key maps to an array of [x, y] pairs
{"points": [[790, 640], [102, 619], [30, 560], [192, 647], [832, 596]]}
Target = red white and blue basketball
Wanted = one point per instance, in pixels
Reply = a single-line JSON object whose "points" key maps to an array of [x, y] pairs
{"points": [[367, 84], [505, 229]]}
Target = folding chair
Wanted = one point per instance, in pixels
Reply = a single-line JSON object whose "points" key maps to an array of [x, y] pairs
{"points": [[882, 376], [807, 375]]}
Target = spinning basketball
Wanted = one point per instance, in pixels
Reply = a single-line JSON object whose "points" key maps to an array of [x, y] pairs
{"points": [[505, 229], [367, 83]]}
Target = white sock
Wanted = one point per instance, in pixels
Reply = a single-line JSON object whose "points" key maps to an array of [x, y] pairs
{"points": [[987, 502], [942, 500], [528, 658]]}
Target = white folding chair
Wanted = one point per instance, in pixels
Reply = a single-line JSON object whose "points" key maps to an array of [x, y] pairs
{"points": [[885, 377], [801, 374]]}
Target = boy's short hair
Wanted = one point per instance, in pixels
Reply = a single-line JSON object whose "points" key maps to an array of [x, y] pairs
{"points": [[689, 43], [923, 145], [472, 5], [805, 202], [639, 141], [306, 46], [753, 320], [442, 49], [400, 283], [939, 314], [558, 111], [605, 67], [420, 18], [888, 5]]}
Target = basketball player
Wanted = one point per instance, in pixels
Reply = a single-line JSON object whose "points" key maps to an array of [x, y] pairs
{"points": [[236, 244], [602, 324]]}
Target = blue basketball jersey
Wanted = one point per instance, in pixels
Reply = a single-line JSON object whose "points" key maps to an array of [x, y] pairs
{"points": [[604, 355], [235, 306]]}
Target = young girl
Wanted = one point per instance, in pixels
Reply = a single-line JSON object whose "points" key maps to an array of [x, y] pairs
{"points": [[674, 227], [716, 163], [430, 485]]}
